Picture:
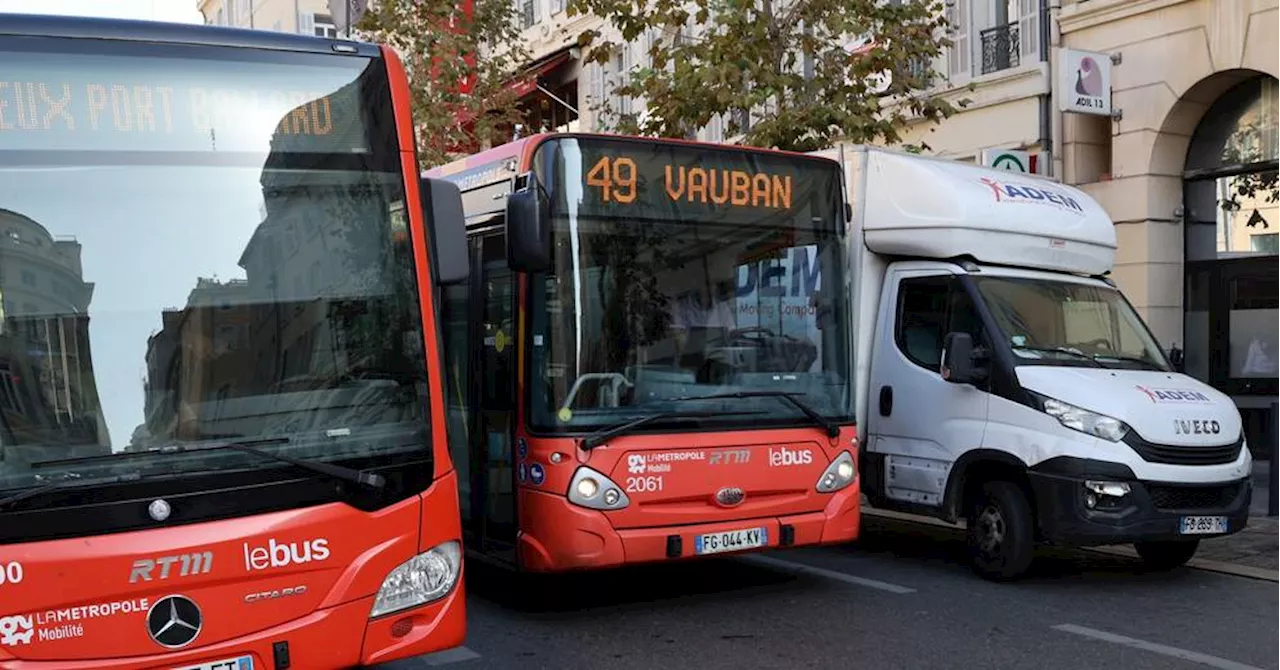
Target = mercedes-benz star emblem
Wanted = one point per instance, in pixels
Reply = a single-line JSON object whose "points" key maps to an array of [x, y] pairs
{"points": [[730, 496], [174, 621], [159, 509]]}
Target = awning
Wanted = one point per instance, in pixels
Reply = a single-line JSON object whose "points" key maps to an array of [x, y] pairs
{"points": [[527, 81]]}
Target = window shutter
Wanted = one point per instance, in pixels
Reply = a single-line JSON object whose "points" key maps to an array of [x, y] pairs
{"points": [[959, 57], [306, 23]]}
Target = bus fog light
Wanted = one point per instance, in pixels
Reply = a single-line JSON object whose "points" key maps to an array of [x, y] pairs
{"points": [[587, 487], [840, 473], [593, 490], [426, 577]]}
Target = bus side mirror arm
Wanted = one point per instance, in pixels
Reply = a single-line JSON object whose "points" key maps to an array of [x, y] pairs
{"points": [[446, 228], [528, 227]]}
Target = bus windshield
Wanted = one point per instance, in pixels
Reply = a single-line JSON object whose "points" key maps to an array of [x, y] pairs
{"points": [[200, 245], [685, 271]]}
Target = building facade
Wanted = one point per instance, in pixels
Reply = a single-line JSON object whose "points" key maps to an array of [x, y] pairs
{"points": [[1187, 168], [304, 17]]}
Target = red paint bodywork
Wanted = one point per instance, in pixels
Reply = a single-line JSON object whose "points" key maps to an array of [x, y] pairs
{"points": [[556, 535], [327, 625]]}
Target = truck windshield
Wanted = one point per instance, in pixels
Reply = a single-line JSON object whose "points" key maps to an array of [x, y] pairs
{"points": [[1049, 322], [200, 244], [686, 271]]}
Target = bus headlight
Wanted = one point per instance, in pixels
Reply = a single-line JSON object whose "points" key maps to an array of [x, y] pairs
{"points": [[426, 577], [593, 490], [841, 473]]}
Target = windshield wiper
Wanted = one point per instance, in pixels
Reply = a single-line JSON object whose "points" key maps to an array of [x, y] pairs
{"points": [[1060, 350], [367, 479], [608, 433], [74, 482], [1128, 359], [831, 428]]}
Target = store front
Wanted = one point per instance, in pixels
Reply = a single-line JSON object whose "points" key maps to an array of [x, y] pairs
{"points": [[1232, 230]]}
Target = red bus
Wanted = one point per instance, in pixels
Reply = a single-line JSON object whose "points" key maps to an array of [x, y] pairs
{"points": [[653, 352], [222, 425]]}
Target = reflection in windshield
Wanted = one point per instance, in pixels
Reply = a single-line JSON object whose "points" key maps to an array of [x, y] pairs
{"points": [[1069, 323], [638, 312], [245, 276]]}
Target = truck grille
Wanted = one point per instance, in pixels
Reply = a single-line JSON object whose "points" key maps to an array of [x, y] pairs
{"points": [[1168, 497], [1178, 455]]}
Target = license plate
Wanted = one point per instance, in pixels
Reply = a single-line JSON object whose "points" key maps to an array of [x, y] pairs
{"points": [[1203, 525], [237, 663], [732, 540]]}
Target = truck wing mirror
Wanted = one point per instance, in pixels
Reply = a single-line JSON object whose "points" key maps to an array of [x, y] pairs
{"points": [[957, 358], [1177, 359], [447, 228], [528, 226]]}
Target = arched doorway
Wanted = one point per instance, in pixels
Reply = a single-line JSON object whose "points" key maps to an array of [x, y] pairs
{"points": [[1232, 239]]}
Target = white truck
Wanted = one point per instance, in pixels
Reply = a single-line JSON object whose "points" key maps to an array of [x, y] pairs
{"points": [[1002, 380]]}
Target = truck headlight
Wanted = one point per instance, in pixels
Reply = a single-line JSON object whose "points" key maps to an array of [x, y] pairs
{"points": [[1078, 418], [426, 577], [592, 489], [840, 473]]}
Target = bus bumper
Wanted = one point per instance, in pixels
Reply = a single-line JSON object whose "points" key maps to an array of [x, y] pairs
{"points": [[335, 637], [562, 537]]}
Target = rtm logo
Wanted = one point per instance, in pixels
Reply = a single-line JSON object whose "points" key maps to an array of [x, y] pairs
{"points": [[192, 564], [726, 456], [277, 555], [785, 456]]}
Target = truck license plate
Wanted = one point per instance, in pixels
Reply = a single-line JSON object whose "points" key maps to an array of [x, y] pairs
{"points": [[732, 540], [237, 663], [1203, 525]]}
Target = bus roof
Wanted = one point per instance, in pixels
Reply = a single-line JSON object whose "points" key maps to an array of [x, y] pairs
{"points": [[36, 25], [492, 165]]}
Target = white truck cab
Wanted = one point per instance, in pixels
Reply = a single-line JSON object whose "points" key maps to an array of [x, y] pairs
{"points": [[1003, 380]]}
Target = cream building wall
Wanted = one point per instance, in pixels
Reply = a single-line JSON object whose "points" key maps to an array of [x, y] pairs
{"points": [[306, 17], [1177, 57]]}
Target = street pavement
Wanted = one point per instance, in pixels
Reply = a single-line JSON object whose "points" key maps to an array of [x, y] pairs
{"points": [[900, 597]]}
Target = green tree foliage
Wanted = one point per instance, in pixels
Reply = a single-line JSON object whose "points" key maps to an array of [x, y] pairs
{"points": [[461, 58], [790, 61]]}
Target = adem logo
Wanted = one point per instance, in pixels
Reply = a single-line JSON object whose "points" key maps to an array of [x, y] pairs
{"points": [[279, 554], [785, 456]]}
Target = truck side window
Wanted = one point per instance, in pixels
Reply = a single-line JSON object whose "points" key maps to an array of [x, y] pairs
{"points": [[922, 318]]}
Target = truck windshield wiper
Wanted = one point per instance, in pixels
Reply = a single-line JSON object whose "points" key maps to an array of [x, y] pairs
{"points": [[831, 428], [74, 481], [1128, 359], [1060, 350], [367, 479], [608, 433]]}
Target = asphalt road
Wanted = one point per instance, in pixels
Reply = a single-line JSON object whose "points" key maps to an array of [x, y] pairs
{"points": [[900, 598]]}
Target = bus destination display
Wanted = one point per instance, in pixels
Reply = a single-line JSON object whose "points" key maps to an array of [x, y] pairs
{"points": [[69, 102], [674, 182]]}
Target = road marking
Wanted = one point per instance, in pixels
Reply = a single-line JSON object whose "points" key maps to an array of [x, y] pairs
{"points": [[767, 562], [1193, 656], [448, 656]]}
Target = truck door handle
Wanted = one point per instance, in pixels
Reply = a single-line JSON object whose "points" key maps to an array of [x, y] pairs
{"points": [[886, 400]]}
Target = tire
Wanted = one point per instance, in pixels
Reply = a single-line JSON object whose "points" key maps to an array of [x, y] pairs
{"points": [[1001, 532], [1166, 555]]}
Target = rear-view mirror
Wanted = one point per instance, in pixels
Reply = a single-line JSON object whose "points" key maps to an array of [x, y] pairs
{"points": [[957, 358], [1177, 359], [447, 226], [528, 227]]}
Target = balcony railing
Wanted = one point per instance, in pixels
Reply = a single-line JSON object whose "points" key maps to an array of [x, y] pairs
{"points": [[1000, 48]]}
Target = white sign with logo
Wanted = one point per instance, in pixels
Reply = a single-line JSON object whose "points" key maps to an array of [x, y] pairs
{"points": [[1013, 160], [1085, 82]]}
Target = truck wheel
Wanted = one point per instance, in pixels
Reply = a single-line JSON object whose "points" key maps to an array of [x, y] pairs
{"points": [[1166, 555], [1001, 532]]}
